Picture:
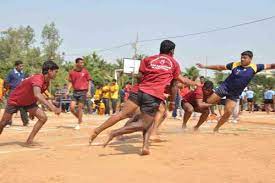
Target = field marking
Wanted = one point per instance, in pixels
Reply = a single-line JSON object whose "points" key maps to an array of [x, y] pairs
{"points": [[19, 150]]}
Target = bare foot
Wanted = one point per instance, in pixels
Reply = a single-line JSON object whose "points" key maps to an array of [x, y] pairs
{"points": [[196, 129], [216, 131], [156, 138], [110, 138], [145, 152], [184, 126], [93, 135]]}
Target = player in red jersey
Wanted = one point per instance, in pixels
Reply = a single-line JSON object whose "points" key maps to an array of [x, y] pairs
{"points": [[195, 101], [27, 94], [79, 79]]}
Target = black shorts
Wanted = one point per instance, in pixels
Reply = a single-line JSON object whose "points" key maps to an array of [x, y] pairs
{"points": [[268, 101], [133, 97], [250, 100], [223, 91], [148, 103], [80, 96], [11, 109]]}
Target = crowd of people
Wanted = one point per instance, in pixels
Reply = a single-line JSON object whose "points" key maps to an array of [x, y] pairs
{"points": [[159, 87]]}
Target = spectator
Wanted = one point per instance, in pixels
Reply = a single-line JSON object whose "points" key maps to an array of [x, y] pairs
{"points": [[114, 88], [269, 99], [106, 97], [250, 99]]}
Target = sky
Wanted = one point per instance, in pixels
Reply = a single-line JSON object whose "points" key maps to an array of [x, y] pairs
{"points": [[88, 25]]}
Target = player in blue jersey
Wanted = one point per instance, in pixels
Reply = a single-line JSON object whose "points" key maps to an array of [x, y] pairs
{"points": [[241, 74]]}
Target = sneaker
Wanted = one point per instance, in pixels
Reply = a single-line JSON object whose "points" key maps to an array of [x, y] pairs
{"points": [[77, 127], [234, 121], [8, 126]]}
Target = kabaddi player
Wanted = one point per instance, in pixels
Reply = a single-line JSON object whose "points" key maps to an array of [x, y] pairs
{"points": [[26, 96], [241, 74], [196, 101], [79, 80], [157, 72]]}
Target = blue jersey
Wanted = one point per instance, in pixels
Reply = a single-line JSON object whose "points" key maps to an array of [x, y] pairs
{"points": [[240, 76], [268, 95], [249, 94]]}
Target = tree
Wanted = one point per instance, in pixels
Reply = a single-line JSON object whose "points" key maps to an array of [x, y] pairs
{"points": [[51, 41], [17, 44], [192, 72]]}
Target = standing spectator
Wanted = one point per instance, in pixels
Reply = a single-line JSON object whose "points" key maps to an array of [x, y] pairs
{"points": [[177, 105], [14, 78], [269, 99], [114, 95], [97, 96], [243, 101], [106, 97], [250, 99]]}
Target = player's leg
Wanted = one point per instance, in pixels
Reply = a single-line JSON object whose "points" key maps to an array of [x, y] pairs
{"points": [[188, 110], [204, 115], [159, 118], [229, 106], [130, 128], [128, 109], [72, 108], [4, 120], [42, 118]]}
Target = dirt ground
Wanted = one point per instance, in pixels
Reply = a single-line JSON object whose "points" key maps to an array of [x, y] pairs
{"points": [[243, 152]]}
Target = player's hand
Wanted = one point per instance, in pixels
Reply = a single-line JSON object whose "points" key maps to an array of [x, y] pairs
{"points": [[57, 111], [171, 106], [200, 65]]}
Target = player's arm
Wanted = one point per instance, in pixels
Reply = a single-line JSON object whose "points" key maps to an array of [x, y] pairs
{"points": [[173, 94], [187, 81], [89, 88], [202, 105], [269, 66], [38, 95], [212, 67]]}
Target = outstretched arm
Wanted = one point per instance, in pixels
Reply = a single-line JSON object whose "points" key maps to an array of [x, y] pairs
{"points": [[269, 66], [212, 67]]}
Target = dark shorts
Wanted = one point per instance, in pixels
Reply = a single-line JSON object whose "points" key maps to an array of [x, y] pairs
{"points": [[80, 96], [148, 103], [268, 101], [250, 100], [133, 97], [222, 91], [13, 109]]}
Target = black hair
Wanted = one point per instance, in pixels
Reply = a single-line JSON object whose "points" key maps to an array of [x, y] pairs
{"points": [[247, 53], [49, 65], [167, 46], [114, 80], [201, 77], [78, 59], [208, 85], [18, 62]]}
